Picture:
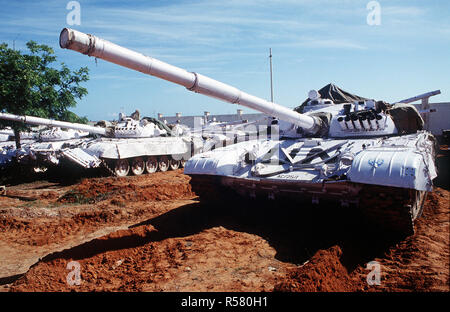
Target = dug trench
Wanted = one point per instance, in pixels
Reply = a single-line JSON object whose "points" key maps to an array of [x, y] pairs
{"points": [[159, 237], [47, 213]]}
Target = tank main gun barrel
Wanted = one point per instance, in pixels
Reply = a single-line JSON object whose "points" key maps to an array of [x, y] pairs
{"points": [[53, 123], [102, 49]]}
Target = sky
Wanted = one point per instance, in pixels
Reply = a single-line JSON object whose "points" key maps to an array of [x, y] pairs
{"points": [[386, 50]]}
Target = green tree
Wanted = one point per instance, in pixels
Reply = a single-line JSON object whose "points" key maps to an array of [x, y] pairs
{"points": [[30, 85]]}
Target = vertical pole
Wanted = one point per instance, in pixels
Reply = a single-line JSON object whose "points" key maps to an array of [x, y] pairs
{"points": [[426, 116], [271, 81], [14, 42]]}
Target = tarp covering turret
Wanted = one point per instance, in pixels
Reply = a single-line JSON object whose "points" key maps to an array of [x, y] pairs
{"points": [[334, 93]]}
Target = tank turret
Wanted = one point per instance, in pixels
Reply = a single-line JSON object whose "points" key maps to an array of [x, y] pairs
{"points": [[126, 127], [136, 127]]}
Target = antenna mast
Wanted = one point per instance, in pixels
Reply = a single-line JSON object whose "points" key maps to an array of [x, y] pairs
{"points": [[271, 81]]}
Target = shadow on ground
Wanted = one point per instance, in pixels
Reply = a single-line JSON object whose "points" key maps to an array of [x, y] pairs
{"points": [[295, 232], [62, 176]]}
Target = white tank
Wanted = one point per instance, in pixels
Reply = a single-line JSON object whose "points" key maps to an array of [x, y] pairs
{"points": [[132, 145]]}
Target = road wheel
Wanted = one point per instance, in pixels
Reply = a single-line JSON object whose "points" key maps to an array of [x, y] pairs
{"points": [[121, 168], [163, 163], [174, 164], [138, 166], [151, 165]]}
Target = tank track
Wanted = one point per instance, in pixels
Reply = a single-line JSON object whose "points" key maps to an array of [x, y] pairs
{"points": [[387, 211], [390, 209], [109, 169]]}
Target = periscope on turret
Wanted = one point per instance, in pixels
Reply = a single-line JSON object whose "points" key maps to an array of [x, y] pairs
{"points": [[335, 146]]}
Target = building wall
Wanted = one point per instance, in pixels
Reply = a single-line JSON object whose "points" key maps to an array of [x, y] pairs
{"points": [[192, 121], [438, 121]]}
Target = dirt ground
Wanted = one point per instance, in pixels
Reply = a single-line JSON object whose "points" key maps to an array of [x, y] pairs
{"points": [[151, 233]]}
